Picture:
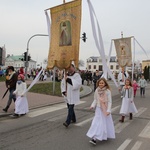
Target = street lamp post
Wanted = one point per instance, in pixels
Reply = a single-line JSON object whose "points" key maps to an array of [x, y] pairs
{"points": [[26, 62]]}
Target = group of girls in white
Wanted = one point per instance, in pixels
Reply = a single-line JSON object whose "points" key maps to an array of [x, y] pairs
{"points": [[102, 127]]}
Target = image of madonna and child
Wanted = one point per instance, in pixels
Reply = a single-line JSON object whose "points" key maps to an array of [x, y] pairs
{"points": [[127, 106], [21, 103], [102, 126]]}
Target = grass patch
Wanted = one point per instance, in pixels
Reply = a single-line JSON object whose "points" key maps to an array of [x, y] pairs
{"points": [[46, 88], [2, 79]]}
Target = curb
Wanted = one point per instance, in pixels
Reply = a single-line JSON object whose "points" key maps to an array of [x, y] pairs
{"points": [[85, 92]]}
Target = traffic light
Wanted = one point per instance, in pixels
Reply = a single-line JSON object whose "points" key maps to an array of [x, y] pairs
{"points": [[25, 56], [29, 58], [84, 37]]}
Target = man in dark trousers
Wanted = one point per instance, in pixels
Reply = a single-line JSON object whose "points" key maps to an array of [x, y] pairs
{"points": [[11, 80], [70, 88]]}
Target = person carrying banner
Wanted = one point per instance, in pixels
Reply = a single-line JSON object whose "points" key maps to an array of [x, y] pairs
{"points": [[122, 76], [71, 90], [11, 80]]}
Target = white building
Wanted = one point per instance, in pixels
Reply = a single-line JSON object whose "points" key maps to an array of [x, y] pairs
{"points": [[16, 62], [95, 63]]}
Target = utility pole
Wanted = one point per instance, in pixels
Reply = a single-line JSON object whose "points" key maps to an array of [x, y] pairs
{"points": [[26, 62], [121, 34]]}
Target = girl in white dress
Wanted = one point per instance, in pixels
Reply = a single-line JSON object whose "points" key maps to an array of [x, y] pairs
{"points": [[21, 103], [128, 106], [102, 126]]}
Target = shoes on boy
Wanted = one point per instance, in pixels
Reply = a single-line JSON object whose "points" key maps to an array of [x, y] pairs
{"points": [[93, 142], [73, 121], [65, 124]]}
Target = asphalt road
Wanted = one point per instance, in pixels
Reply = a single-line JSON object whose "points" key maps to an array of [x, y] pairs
{"points": [[42, 128]]}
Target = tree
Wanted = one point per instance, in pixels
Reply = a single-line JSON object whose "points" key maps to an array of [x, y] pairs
{"points": [[146, 72]]}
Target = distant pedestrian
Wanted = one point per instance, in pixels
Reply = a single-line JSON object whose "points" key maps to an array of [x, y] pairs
{"points": [[96, 77], [102, 126], [128, 106], [45, 75], [71, 90], [11, 79], [21, 103], [21, 71], [82, 76], [135, 87], [142, 84]]}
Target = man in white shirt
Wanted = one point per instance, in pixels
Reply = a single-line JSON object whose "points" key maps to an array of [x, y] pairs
{"points": [[70, 88], [122, 76]]}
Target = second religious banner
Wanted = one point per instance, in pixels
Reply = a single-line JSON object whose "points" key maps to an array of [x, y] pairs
{"points": [[123, 50], [65, 35]]}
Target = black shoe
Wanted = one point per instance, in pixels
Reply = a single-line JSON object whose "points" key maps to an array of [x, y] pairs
{"points": [[65, 124], [73, 121], [14, 116], [22, 114], [5, 110], [93, 142]]}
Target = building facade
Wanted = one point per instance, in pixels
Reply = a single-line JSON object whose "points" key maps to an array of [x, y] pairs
{"points": [[95, 63], [17, 62], [145, 63], [2, 55]]}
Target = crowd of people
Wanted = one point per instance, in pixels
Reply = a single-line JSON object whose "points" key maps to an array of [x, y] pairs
{"points": [[102, 126]]}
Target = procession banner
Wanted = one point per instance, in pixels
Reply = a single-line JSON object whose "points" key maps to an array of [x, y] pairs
{"points": [[65, 35], [123, 50]]}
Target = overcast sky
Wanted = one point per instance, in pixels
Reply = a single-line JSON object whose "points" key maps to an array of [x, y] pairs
{"points": [[20, 19]]}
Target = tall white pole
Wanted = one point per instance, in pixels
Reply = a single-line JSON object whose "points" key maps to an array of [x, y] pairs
{"points": [[26, 62]]}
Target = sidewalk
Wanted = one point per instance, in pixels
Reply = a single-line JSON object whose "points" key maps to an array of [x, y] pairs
{"points": [[35, 100]]}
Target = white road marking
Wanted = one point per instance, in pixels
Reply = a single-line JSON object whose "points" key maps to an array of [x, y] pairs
{"points": [[56, 118], [146, 131], [140, 111], [48, 109], [120, 126], [83, 122], [137, 145], [115, 108], [89, 119], [124, 144]]}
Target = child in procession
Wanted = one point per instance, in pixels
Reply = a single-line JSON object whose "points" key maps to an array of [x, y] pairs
{"points": [[128, 106], [21, 103], [135, 87], [102, 126], [142, 84]]}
